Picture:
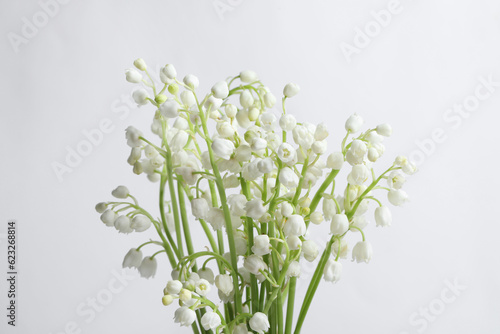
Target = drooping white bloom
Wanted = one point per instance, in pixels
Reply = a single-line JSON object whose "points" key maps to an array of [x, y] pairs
{"points": [[293, 242], [246, 99], [140, 96], [396, 180], [148, 267], [383, 216], [362, 252], [291, 89], [237, 204], [267, 121], [224, 283], [231, 110], [359, 221], [319, 147], [220, 90], [216, 218], [132, 135], [332, 271], [255, 208], [213, 104], [185, 296], [258, 144], [240, 329], [174, 287], [261, 246], [286, 209], [199, 208], [210, 321], [287, 122], [123, 224], [409, 168], [169, 71], [294, 226], [133, 259], [335, 160], [310, 250], [288, 178], [266, 165], [191, 81], [140, 223], [354, 123], [269, 100], [397, 197], [207, 274], [248, 76], [133, 76], [108, 217], [223, 148], [259, 323], [303, 137], [287, 153], [341, 248], [184, 316], [169, 109], [187, 174], [187, 98], [340, 224], [101, 207], [293, 269], [329, 208], [321, 132], [140, 64], [358, 175], [254, 264], [384, 130]]}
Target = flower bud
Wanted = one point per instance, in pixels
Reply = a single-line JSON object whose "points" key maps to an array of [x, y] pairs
{"points": [[191, 81], [258, 144], [140, 96], [294, 226], [332, 271], [184, 316], [210, 321], [108, 217], [122, 224], [213, 104], [316, 218], [253, 114], [291, 89], [354, 123], [329, 208], [358, 175], [185, 295], [231, 110], [132, 135], [287, 122], [335, 160], [140, 64], [246, 99], [340, 224], [167, 300], [132, 259], [101, 207], [310, 250], [223, 148], [261, 246], [362, 252], [220, 90], [383, 216], [384, 130], [254, 264], [409, 168], [187, 98], [169, 71], [174, 287], [259, 323], [160, 98], [321, 132], [397, 197], [148, 267], [140, 223], [224, 283], [169, 109], [286, 209], [373, 154], [248, 76], [266, 165], [319, 147], [133, 76]]}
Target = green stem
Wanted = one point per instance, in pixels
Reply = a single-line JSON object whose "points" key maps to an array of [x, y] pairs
{"points": [[162, 214], [291, 302], [319, 194], [185, 221]]}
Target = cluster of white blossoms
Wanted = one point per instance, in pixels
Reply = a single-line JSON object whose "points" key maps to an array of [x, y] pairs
{"points": [[254, 179]]}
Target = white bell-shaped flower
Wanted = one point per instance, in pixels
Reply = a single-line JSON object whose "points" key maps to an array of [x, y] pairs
{"points": [[255, 208], [383, 216], [184, 316], [354, 123], [123, 224], [133, 76], [254, 264], [207, 274], [169, 109], [288, 178], [108, 217], [191, 81], [248, 76], [132, 135], [332, 271], [310, 250], [384, 130], [397, 197], [294, 226], [140, 223], [210, 321], [261, 246], [259, 323], [140, 96], [291, 89], [133, 259], [293, 269], [220, 90], [174, 287], [362, 252], [340, 224], [223, 148], [148, 267], [224, 283]]}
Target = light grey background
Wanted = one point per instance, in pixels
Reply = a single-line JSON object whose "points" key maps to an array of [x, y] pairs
{"points": [[67, 77]]}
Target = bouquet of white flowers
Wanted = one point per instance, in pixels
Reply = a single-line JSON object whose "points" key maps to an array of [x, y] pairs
{"points": [[253, 192]]}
